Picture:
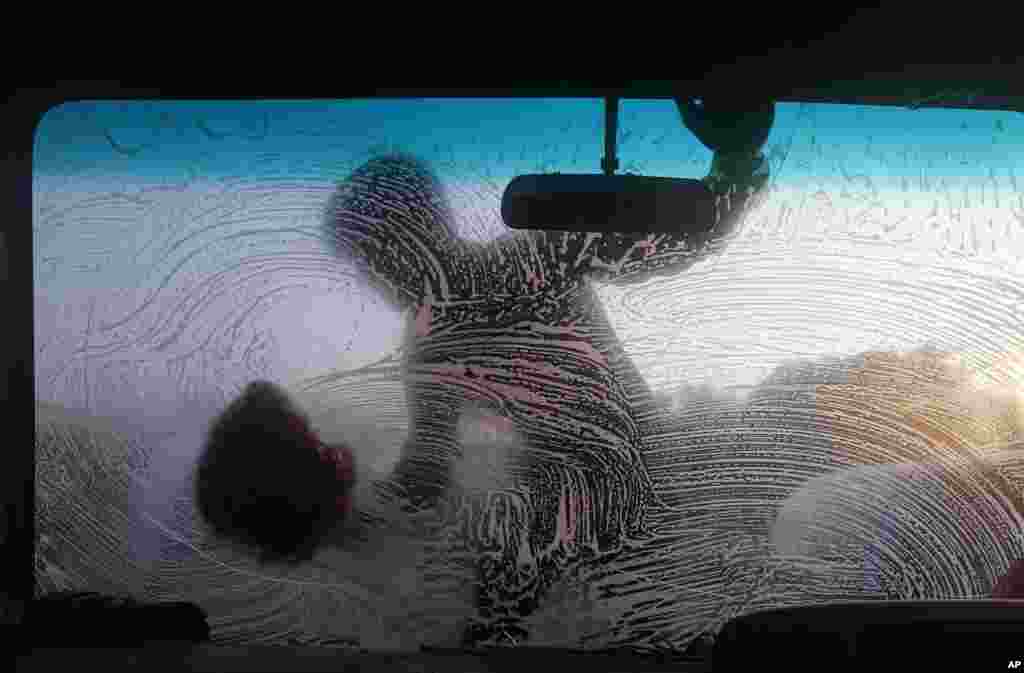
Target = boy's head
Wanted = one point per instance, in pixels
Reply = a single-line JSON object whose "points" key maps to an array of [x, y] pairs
{"points": [[265, 480]]}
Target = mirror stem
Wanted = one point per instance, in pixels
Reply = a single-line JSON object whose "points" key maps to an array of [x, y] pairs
{"points": [[610, 162]]}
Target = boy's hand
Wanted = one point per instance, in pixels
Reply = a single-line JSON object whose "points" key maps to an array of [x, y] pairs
{"points": [[729, 128], [736, 133]]}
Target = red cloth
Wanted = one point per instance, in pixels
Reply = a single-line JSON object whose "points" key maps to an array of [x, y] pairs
{"points": [[338, 456], [1011, 584]]}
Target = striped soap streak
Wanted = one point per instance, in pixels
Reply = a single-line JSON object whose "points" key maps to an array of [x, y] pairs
{"points": [[522, 279], [513, 327], [87, 503], [524, 293], [925, 532], [691, 577], [581, 467], [920, 507], [697, 570]]}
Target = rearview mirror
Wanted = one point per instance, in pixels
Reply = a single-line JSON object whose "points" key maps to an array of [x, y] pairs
{"points": [[608, 203]]}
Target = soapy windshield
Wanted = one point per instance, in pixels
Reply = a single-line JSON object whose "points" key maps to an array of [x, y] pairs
{"points": [[822, 408]]}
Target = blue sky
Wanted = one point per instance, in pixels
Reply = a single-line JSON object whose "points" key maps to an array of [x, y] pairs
{"points": [[162, 140]]}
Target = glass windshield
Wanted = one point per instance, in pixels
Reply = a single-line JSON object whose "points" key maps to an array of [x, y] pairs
{"points": [[824, 407]]}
